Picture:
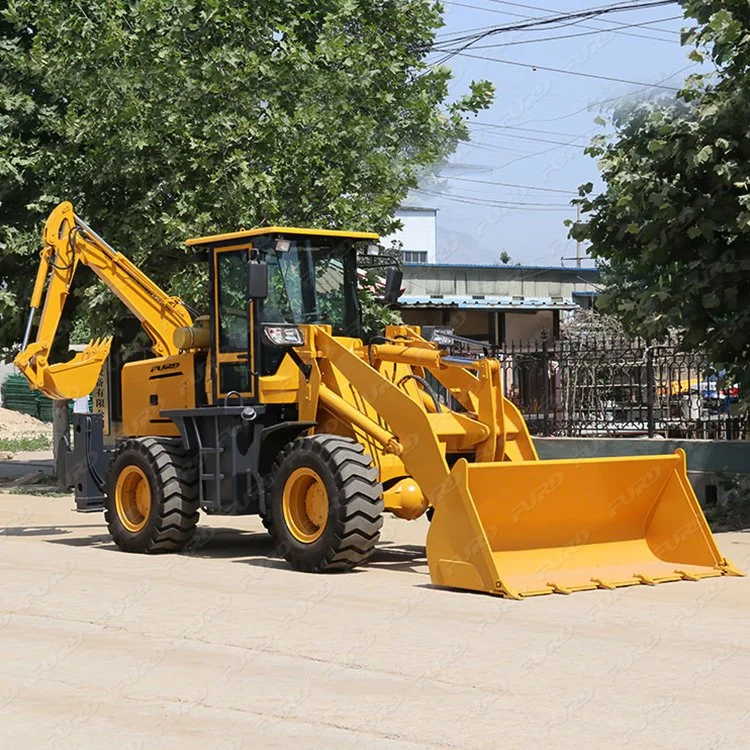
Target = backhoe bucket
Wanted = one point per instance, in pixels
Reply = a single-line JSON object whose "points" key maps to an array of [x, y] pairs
{"points": [[78, 377], [541, 527]]}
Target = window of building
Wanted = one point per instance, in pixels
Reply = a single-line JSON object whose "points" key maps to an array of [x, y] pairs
{"points": [[414, 256]]}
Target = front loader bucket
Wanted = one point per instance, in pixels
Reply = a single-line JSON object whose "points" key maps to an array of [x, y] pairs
{"points": [[541, 527]]}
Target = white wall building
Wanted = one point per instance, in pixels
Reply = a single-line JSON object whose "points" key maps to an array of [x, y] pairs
{"points": [[419, 235]]}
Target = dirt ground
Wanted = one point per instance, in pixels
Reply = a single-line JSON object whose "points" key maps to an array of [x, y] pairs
{"points": [[13, 424], [228, 648]]}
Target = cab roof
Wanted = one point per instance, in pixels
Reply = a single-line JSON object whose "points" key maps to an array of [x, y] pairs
{"points": [[248, 233]]}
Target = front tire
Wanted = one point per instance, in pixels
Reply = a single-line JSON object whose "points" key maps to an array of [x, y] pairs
{"points": [[326, 504], [152, 496]]}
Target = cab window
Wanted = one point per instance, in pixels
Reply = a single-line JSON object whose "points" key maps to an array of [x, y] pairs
{"points": [[234, 332]]}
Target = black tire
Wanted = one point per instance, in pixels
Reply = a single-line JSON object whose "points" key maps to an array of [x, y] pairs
{"points": [[355, 504], [173, 482]]}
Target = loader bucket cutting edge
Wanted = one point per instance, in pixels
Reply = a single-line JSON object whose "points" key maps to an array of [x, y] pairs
{"points": [[541, 527]]}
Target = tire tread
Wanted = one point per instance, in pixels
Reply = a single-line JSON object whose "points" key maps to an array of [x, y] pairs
{"points": [[358, 515], [176, 497]]}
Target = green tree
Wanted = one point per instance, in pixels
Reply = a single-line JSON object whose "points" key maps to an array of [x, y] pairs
{"points": [[29, 119], [504, 257], [164, 119], [671, 229], [373, 271]]}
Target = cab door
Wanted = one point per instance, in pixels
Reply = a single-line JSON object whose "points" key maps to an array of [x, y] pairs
{"points": [[233, 324]]}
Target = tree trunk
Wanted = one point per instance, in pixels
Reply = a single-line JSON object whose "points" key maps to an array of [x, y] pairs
{"points": [[60, 430]]}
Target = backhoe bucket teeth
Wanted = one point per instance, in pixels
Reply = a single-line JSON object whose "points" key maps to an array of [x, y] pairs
{"points": [[541, 527], [76, 378]]}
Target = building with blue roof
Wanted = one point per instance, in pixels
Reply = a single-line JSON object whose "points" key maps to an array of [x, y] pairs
{"points": [[495, 304]]}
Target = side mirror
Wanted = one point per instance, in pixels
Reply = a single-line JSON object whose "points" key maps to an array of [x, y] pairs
{"points": [[257, 280], [393, 285]]}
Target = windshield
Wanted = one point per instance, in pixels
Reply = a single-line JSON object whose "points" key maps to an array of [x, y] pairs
{"points": [[313, 282]]}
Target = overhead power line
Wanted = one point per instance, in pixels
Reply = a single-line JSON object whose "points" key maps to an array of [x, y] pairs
{"points": [[495, 148], [498, 126], [512, 184], [522, 135], [603, 30], [528, 156], [488, 10], [612, 21], [566, 72], [511, 205], [467, 40], [618, 27], [539, 140], [645, 87]]}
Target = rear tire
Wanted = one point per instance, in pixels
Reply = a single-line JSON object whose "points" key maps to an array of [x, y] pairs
{"points": [[152, 496], [326, 504]]}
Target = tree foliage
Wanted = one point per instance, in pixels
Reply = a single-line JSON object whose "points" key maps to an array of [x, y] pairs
{"points": [[672, 226], [164, 119], [373, 271]]}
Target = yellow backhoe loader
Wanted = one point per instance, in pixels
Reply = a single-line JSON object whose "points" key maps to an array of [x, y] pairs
{"points": [[272, 405]]}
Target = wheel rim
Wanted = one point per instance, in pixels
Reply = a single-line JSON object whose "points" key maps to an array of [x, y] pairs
{"points": [[305, 505], [133, 498]]}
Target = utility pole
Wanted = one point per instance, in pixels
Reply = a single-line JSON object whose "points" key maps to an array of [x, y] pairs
{"points": [[579, 244]]}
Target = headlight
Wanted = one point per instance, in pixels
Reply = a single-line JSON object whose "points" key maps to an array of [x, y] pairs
{"points": [[283, 335]]}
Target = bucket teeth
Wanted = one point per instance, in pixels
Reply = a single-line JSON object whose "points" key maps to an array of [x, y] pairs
{"points": [[687, 576], [97, 349], [557, 589], [603, 584], [727, 569]]}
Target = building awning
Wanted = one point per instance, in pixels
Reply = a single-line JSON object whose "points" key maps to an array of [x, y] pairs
{"points": [[485, 302]]}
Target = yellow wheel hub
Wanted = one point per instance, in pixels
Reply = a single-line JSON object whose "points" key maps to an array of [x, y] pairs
{"points": [[305, 505], [133, 498]]}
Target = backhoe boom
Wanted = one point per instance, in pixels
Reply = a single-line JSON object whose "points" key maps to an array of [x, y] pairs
{"points": [[68, 241]]}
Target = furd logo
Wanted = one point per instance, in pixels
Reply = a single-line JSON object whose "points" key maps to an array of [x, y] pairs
{"points": [[165, 368], [535, 497], [636, 489]]}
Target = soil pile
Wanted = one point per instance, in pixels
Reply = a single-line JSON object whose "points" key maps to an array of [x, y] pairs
{"points": [[14, 424]]}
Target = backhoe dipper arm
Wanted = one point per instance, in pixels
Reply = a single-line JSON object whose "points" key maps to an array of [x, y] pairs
{"points": [[68, 241]]}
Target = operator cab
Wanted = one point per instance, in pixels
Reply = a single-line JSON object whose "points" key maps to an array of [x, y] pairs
{"points": [[285, 276]]}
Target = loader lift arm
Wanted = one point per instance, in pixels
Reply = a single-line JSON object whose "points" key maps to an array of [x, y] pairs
{"points": [[68, 241], [506, 522]]}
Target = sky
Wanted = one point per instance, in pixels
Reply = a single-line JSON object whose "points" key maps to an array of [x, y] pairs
{"points": [[521, 139]]}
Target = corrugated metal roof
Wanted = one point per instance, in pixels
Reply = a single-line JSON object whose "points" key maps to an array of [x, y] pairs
{"points": [[594, 271], [417, 208], [487, 302]]}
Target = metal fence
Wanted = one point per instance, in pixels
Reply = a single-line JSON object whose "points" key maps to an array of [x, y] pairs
{"points": [[604, 386]]}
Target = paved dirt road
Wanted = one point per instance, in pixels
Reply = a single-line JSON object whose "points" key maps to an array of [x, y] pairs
{"points": [[230, 649]]}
